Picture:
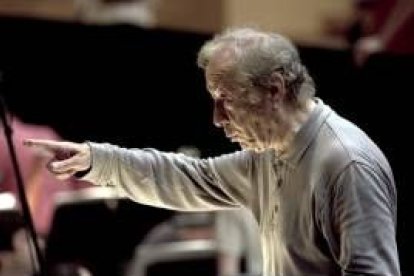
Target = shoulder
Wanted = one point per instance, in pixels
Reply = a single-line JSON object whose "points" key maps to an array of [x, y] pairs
{"points": [[345, 144]]}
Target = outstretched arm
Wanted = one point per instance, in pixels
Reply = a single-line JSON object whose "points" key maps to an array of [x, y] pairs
{"points": [[157, 178]]}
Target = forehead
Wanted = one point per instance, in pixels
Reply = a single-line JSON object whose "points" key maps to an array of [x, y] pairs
{"points": [[221, 61]]}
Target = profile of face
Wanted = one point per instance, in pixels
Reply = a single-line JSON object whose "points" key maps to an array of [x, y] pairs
{"points": [[244, 112]]}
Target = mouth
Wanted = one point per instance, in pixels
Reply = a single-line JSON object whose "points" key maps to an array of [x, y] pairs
{"points": [[229, 133], [232, 135]]}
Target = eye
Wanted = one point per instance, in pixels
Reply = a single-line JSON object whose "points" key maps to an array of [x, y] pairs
{"points": [[228, 103], [210, 88]]}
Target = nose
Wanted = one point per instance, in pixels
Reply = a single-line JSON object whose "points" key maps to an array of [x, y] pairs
{"points": [[220, 117]]}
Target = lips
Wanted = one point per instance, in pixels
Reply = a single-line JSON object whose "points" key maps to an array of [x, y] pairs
{"points": [[229, 133], [233, 136]]}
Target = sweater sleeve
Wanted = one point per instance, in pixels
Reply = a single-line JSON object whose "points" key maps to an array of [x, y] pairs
{"points": [[171, 180]]}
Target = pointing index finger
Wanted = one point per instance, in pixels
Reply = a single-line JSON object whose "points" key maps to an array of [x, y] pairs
{"points": [[49, 144], [59, 150]]}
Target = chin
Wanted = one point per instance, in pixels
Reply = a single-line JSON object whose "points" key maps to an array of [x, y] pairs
{"points": [[259, 149], [246, 146]]}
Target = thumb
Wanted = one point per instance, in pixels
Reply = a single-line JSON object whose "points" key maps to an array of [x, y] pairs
{"points": [[79, 161]]}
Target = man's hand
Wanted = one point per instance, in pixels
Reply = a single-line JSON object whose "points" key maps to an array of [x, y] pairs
{"points": [[66, 158]]}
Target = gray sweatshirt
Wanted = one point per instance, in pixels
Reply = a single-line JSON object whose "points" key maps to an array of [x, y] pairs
{"points": [[329, 208]]}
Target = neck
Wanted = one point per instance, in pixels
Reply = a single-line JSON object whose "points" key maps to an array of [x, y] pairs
{"points": [[293, 121]]}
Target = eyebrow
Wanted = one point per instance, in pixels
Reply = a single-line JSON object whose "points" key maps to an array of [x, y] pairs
{"points": [[215, 78]]}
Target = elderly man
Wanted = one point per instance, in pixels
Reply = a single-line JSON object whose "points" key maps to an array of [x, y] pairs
{"points": [[322, 192]]}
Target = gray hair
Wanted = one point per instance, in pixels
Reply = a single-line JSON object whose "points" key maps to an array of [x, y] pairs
{"points": [[257, 55]]}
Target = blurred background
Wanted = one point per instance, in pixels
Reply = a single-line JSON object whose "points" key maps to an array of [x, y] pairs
{"points": [[124, 72]]}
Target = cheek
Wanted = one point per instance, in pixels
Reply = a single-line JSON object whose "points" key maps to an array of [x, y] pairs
{"points": [[245, 120], [250, 112], [253, 121], [246, 115], [238, 114]]}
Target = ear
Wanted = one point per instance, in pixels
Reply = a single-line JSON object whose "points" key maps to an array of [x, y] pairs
{"points": [[277, 87]]}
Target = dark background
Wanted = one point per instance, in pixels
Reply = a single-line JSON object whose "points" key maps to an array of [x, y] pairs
{"points": [[142, 88]]}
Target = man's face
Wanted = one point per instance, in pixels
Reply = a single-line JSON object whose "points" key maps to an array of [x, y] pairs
{"points": [[241, 110]]}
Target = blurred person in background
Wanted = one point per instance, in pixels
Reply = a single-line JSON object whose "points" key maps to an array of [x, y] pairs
{"points": [[383, 26], [40, 189], [40, 185]]}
